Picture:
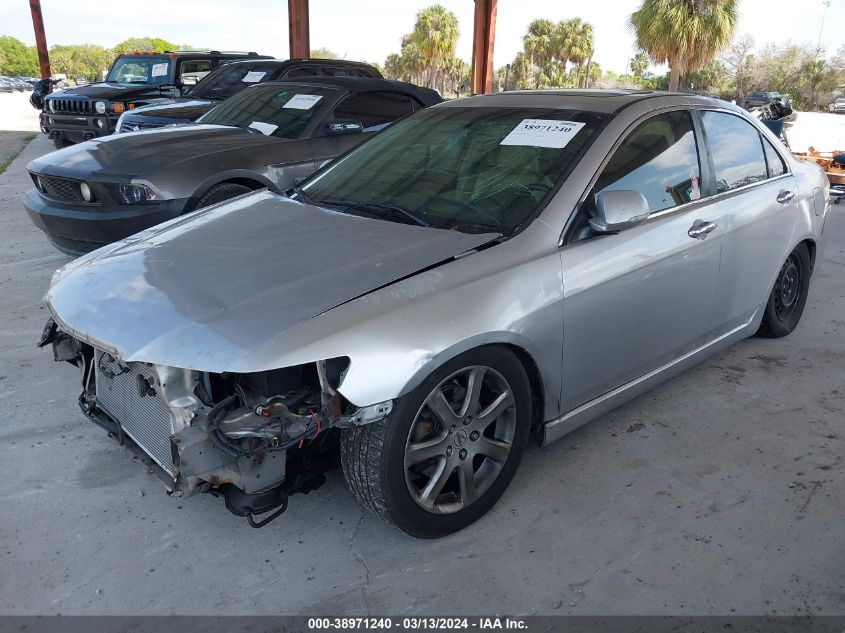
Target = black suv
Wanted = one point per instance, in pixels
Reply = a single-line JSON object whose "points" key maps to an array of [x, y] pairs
{"points": [[84, 112], [759, 99], [230, 79]]}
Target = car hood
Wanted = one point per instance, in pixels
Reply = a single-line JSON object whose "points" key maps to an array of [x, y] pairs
{"points": [[183, 109], [137, 154], [108, 90], [205, 291]]}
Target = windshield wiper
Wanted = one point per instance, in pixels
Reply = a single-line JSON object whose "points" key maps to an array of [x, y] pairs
{"points": [[297, 190], [375, 208]]}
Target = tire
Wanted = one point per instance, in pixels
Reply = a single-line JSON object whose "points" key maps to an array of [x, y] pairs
{"points": [[61, 143], [384, 478], [789, 295], [221, 192]]}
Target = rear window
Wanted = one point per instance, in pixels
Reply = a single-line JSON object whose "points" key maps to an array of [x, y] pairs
{"points": [[230, 79]]}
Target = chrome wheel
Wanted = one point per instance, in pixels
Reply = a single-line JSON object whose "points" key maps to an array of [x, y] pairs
{"points": [[460, 439]]}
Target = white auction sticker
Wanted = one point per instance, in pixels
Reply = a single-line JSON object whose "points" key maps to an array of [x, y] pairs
{"points": [[265, 128], [543, 133], [253, 76], [302, 102], [159, 70]]}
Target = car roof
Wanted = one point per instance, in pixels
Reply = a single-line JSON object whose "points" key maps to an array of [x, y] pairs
{"points": [[591, 100], [366, 84], [311, 61]]}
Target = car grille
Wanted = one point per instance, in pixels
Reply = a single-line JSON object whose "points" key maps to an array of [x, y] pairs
{"points": [[132, 125], [146, 419], [63, 189], [71, 106]]}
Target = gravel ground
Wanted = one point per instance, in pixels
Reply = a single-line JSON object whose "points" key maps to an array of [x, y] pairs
{"points": [[720, 492]]}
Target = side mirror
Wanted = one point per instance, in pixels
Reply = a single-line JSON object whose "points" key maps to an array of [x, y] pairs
{"points": [[342, 127], [619, 210]]}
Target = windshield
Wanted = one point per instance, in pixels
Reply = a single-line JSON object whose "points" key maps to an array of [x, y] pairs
{"points": [[230, 79], [474, 170], [141, 69], [272, 109]]}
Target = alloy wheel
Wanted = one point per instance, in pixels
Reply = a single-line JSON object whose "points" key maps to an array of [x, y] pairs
{"points": [[460, 440]]}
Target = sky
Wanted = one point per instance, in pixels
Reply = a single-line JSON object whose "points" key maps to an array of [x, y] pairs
{"points": [[369, 30]]}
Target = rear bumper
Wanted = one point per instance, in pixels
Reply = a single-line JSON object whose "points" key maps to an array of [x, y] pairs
{"points": [[79, 229]]}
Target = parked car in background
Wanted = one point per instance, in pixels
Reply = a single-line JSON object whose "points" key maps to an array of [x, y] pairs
{"points": [[838, 106], [6, 86], [230, 79], [759, 99], [89, 111], [270, 135], [406, 306], [16, 83]]}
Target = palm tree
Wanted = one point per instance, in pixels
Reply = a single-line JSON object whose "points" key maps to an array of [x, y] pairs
{"points": [[575, 44], [436, 36], [538, 42], [685, 33], [639, 63]]}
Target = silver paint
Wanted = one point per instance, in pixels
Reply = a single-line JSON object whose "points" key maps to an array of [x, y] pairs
{"points": [[600, 320]]}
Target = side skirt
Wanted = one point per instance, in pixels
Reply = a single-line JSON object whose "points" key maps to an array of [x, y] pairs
{"points": [[557, 428]]}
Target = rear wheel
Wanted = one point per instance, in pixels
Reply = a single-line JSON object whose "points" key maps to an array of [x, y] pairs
{"points": [[449, 448], [789, 295], [221, 192]]}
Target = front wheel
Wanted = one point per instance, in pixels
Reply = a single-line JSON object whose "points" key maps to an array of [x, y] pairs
{"points": [[448, 450], [220, 193], [789, 295]]}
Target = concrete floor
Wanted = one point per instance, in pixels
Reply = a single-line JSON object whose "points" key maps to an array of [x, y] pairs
{"points": [[720, 492]]}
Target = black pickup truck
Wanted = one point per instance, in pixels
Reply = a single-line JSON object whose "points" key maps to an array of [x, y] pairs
{"points": [[85, 112]]}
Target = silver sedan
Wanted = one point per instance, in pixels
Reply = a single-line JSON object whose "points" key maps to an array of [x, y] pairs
{"points": [[486, 271]]}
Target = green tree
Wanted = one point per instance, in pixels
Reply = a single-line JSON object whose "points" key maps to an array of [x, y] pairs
{"points": [[83, 60], [17, 59], [575, 43], [435, 36], [145, 45], [323, 53], [539, 42], [686, 34], [639, 64]]}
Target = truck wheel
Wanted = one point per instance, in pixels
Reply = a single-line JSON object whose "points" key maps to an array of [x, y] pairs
{"points": [[221, 192], [789, 295], [60, 142], [448, 449]]}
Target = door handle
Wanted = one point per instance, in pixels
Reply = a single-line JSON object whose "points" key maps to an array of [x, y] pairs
{"points": [[785, 196], [700, 229]]}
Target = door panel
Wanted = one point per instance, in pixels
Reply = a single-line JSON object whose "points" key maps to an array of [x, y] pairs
{"points": [[635, 301], [757, 230], [639, 299], [758, 209]]}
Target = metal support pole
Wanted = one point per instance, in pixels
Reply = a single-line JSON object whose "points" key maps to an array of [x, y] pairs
{"points": [[298, 29], [40, 38], [484, 32]]}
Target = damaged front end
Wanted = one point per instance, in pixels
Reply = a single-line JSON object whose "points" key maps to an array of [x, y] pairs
{"points": [[252, 438]]}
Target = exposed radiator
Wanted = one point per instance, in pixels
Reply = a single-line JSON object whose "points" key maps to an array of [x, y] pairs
{"points": [[145, 418]]}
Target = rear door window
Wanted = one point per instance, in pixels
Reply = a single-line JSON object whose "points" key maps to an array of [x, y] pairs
{"points": [[192, 71], [337, 71], [375, 110], [302, 71], [774, 162], [659, 159], [736, 148]]}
